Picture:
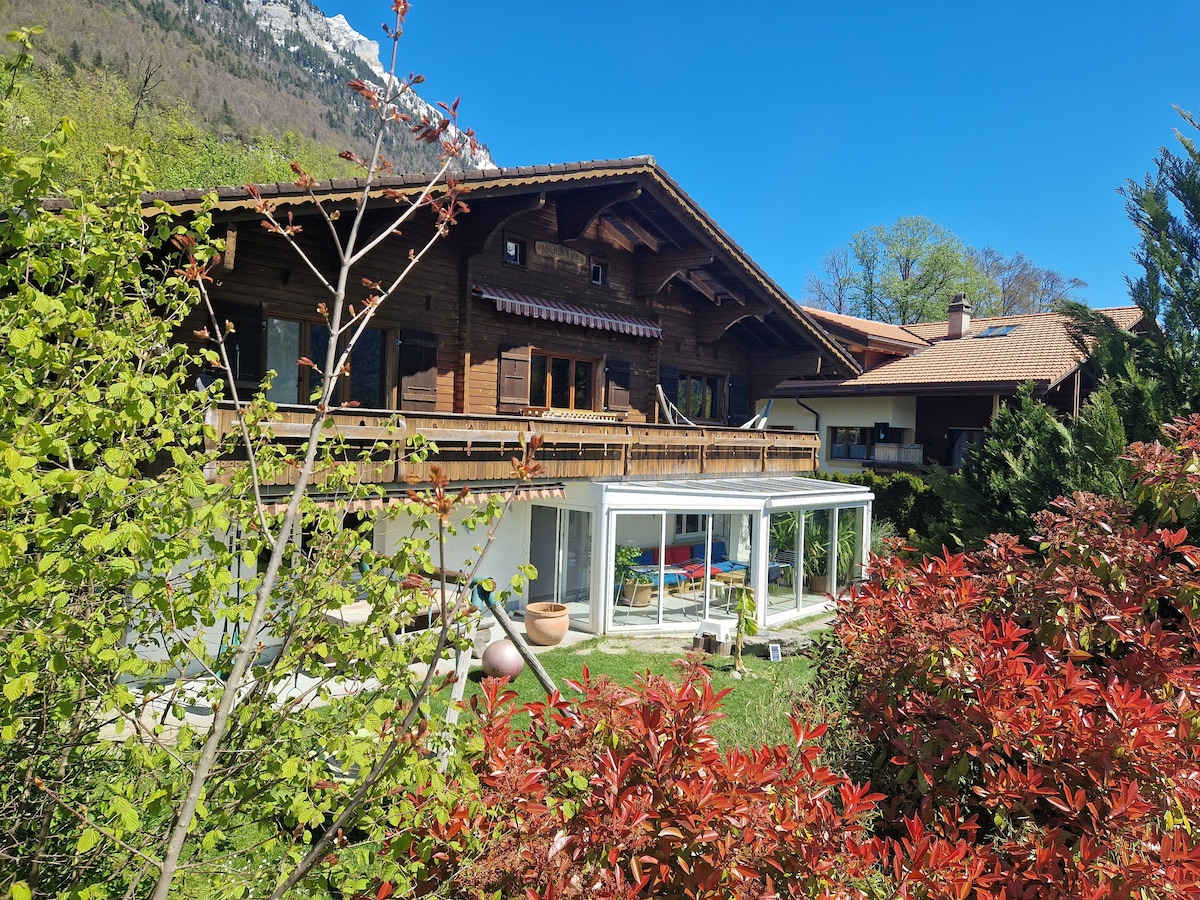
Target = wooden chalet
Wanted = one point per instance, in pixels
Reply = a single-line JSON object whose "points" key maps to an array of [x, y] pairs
{"points": [[593, 303]]}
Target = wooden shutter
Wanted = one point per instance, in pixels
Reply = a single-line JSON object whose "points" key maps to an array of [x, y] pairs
{"points": [[514, 375], [616, 396], [740, 409], [418, 366]]}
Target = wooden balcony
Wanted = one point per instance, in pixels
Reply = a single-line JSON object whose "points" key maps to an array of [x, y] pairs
{"points": [[899, 455], [480, 448]]}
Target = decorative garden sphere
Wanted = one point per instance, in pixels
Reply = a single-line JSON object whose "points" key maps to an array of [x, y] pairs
{"points": [[502, 658]]}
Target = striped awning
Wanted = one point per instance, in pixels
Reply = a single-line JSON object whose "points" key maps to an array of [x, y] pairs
{"points": [[479, 496], [560, 311]]}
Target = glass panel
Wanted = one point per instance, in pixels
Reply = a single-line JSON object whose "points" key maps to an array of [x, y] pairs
{"points": [[638, 550], [366, 369], [695, 405], [816, 553], [726, 564], [318, 346], [283, 349], [560, 383], [537, 380], [782, 582], [710, 399], [583, 384], [849, 546], [575, 585]]}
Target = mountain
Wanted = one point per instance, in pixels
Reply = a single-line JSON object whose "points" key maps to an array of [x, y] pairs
{"points": [[246, 69]]}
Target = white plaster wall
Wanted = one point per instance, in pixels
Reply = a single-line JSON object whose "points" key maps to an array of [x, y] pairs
{"points": [[509, 550], [844, 412]]}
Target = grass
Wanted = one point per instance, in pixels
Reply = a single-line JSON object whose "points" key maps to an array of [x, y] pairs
{"points": [[756, 709]]}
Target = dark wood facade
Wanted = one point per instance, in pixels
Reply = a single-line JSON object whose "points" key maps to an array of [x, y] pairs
{"points": [[617, 240]]}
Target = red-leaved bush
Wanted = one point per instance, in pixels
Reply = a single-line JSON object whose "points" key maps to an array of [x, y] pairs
{"points": [[1038, 707], [1035, 709], [624, 793]]}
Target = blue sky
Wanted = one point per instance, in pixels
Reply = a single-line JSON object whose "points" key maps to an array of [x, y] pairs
{"points": [[795, 124]]}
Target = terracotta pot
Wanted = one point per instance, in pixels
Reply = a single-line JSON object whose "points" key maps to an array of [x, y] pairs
{"points": [[546, 623], [818, 584], [635, 594]]}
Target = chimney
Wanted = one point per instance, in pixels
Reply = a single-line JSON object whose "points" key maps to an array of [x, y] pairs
{"points": [[960, 318]]}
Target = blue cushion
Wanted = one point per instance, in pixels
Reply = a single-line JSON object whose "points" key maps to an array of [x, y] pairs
{"points": [[647, 558], [719, 553]]}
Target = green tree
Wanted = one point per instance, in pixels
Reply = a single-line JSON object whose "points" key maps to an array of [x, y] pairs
{"points": [[1028, 459], [119, 553], [1155, 377], [909, 271]]}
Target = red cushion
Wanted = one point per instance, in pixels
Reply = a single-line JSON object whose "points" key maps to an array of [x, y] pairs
{"points": [[678, 553]]}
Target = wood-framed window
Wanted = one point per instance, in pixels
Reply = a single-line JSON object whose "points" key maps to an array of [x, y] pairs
{"points": [[290, 339], [599, 267], [562, 382], [701, 396], [515, 250]]}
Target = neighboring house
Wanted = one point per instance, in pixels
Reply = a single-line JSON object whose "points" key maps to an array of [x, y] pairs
{"points": [[597, 305], [928, 391]]}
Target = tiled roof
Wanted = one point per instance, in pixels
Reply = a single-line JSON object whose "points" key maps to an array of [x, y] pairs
{"points": [[865, 329], [1037, 349]]}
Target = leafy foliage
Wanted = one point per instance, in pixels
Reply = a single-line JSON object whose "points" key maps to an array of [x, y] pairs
{"points": [[625, 793], [180, 151], [902, 498], [1154, 377], [1029, 458], [136, 608], [1039, 705], [909, 271]]}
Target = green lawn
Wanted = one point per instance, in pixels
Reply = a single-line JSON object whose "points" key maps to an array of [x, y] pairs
{"points": [[756, 710]]}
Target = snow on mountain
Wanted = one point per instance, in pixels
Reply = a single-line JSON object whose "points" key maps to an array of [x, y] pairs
{"points": [[281, 18]]}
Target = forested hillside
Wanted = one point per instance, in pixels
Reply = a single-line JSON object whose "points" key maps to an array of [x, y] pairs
{"points": [[217, 99]]}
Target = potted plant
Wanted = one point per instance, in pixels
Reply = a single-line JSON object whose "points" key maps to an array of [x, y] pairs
{"points": [[636, 584], [816, 555]]}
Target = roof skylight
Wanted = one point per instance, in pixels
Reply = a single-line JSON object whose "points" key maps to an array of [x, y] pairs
{"points": [[997, 331]]}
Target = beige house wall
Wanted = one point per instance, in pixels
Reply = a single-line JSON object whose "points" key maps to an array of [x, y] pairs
{"points": [[843, 412]]}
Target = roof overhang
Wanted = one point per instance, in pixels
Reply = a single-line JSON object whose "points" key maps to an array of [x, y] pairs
{"points": [[801, 390]]}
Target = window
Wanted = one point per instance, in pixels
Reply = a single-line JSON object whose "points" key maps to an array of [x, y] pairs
{"points": [[851, 443], [514, 252], [561, 382], [599, 272], [288, 340], [997, 331], [699, 396], [692, 524]]}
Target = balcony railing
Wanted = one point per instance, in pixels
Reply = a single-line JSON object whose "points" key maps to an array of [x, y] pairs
{"points": [[481, 448], [899, 454]]}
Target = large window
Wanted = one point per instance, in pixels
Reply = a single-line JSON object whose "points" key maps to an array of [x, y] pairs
{"points": [[561, 382], [700, 396], [288, 340], [851, 443]]}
